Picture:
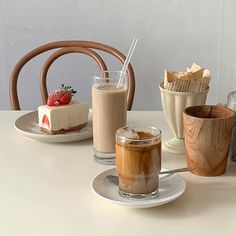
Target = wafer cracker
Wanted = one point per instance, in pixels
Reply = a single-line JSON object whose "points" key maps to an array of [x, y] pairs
{"points": [[194, 79]]}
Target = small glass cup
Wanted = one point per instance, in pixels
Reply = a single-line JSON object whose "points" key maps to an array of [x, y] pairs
{"points": [[109, 105], [138, 161], [231, 104]]}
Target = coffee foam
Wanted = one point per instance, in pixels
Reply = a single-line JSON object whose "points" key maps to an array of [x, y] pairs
{"points": [[130, 136], [106, 87]]}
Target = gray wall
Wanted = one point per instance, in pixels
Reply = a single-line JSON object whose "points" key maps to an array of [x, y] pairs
{"points": [[172, 34]]}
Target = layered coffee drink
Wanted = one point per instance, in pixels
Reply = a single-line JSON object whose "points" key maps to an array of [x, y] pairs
{"points": [[138, 161], [109, 104]]}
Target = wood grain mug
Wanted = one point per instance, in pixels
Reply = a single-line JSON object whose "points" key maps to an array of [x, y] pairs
{"points": [[207, 131]]}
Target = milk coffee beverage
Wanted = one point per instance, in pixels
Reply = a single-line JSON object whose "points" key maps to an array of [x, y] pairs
{"points": [[109, 108], [138, 162], [109, 112]]}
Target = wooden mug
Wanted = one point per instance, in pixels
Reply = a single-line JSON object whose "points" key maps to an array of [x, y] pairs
{"points": [[207, 131]]}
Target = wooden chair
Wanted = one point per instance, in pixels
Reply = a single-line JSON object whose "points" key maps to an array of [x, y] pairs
{"points": [[67, 47]]}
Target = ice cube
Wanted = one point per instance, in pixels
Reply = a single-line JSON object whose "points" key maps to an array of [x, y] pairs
{"points": [[130, 133]]}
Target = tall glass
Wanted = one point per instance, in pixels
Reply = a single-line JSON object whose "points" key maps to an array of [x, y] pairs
{"points": [[109, 104]]}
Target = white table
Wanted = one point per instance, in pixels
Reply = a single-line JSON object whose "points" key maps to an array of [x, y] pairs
{"points": [[45, 191]]}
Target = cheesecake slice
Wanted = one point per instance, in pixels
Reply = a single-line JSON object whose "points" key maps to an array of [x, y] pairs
{"points": [[63, 118]]}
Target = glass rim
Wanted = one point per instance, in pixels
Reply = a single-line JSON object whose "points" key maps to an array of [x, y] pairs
{"points": [[230, 102], [231, 93], [157, 136], [114, 74], [189, 113]]}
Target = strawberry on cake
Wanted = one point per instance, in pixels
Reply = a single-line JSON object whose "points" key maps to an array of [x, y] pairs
{"points": [[61, 115]]}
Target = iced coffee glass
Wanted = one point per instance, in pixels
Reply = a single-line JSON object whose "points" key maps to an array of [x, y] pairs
{"points": [[138, 161], [109, 104]]}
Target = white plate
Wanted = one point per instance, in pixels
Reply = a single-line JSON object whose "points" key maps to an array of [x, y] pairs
{"points": [[171, 186], [28, 126]]}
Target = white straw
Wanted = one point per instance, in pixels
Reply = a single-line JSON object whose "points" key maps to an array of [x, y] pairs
{"points": [[127, 60]]}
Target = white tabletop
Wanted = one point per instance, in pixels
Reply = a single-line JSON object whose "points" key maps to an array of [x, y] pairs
{"points": [[45, 190]]}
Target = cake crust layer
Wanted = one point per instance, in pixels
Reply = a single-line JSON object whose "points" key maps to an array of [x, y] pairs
{"points": [[62, 131]]}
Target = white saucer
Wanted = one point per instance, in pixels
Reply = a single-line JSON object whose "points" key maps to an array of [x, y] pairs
{"points": [[171, 186], [28, 126]]}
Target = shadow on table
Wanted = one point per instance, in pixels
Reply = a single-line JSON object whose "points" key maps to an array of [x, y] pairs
{"points": [[199, 197], [87, 142]]}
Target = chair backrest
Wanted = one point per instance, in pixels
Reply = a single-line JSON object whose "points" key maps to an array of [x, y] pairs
{"points": [[66, 47]]}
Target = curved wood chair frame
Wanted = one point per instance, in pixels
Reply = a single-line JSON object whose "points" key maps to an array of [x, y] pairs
{"points": [[58, 54], [65, 47]]}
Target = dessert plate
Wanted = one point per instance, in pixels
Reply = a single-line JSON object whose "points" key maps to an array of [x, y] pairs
{"points": [[28, 126], [171, 186]]}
